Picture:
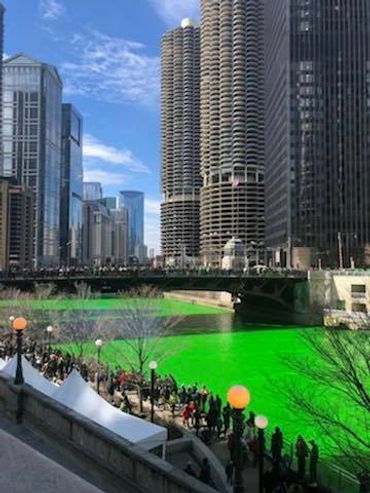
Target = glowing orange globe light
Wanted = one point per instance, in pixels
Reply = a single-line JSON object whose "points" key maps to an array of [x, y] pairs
{"points": [[19, 323], [238, 397]]}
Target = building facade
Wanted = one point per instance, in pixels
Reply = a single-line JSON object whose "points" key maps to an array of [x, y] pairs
{"points": [[133, 202], [32, 92], [2, 13], [97, 234], [317, 146], [71, 187], [119, 237], [232, 120], [180, 142], [92, 190], [16, 225]]}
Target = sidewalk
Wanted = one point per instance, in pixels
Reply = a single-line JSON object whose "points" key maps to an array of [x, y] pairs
{"points": [[218, 446]]}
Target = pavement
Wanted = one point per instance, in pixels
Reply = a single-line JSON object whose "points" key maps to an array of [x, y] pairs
{"points": [[31, 462], [25, 470]]}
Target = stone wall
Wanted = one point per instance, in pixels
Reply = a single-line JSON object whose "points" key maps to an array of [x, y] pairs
{"points": [[128, 462]]}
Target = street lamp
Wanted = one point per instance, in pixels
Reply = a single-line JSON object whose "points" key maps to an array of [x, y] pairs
{"points": [[19, 324], [238, 397], [98, 344], [49, 331], [152, 366], [261, 422]]}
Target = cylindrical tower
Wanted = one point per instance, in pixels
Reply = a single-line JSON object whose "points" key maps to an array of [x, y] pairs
{"points": [[180, 143], [232, 138]]}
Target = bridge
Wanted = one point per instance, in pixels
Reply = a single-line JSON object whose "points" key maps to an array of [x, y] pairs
{"points": [[268, 296]]}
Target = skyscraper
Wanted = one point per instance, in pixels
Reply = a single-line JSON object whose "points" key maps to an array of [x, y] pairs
{"points": [[2, 12], [71, 187], [180, 141], [16, 225], [97, 232], [32, 144], [317, 120], [232, 117], [133, 202], [92, 190]]}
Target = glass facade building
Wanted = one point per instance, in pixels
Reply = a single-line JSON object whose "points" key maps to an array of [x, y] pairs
{"points": [[133, 202], [2, 11], [71, 187], [317, 120], [92, 190], [32, 93]]}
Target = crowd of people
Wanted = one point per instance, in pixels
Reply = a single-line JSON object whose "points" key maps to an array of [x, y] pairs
{"points": [[130, 271], [198, 408]]}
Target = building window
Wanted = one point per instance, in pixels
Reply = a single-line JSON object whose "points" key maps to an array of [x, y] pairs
{"points": [[358, 290], [341, 305], [359, 307]]}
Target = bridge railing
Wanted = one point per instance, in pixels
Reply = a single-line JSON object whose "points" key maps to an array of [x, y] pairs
{"points": [[56, 274]]}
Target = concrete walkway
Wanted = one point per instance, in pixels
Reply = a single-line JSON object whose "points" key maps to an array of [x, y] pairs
{"points": [[24, 470], [32, 462]]}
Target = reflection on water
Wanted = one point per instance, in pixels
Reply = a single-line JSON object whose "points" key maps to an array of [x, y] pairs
{"points": [[220, 322]]}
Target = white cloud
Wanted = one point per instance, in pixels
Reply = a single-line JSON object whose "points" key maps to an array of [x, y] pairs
{"points": [[94, 150], [152, 206], [111, 69], [104, 177], [51, 9], [173, 11]]}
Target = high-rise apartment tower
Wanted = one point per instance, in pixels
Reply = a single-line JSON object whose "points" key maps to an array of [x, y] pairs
{"points": [[180, 142], [317, 120], [232, 117]]}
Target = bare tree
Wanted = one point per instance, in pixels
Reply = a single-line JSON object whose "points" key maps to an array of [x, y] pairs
{"points": [[141, 326], [78, 325], [37, 308], [334, 393]]}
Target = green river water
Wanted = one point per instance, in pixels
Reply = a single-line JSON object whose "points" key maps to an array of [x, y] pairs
{"points": [[212, 346]]}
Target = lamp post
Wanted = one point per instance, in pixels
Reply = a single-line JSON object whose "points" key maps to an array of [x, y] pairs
{"points": [[19, 324], [152, 366], [49, 331], [238, 397], [98, 344], [261, 422]]}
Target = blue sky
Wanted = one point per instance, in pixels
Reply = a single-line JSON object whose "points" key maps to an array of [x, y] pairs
{"points": [[107, 52]]}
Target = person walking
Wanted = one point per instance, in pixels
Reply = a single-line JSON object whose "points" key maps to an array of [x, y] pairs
{"points": [[276, 444], [314, 458], [229, 470], [205, 472], [301, 452], [226, 414]]}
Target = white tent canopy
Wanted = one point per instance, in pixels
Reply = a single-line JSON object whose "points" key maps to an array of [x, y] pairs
{"points": [[30, 375], [77, 394], [2, 363]]}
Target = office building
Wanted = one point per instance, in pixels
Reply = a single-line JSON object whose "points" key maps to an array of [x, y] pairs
{"points": [[119, 236], [180, 142], [2, 12], [71, 187], [317, 120], [133, 202], [16, 225], [97, 234], [32, 92], [92, 190], [110, 202], [232, 120]]}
